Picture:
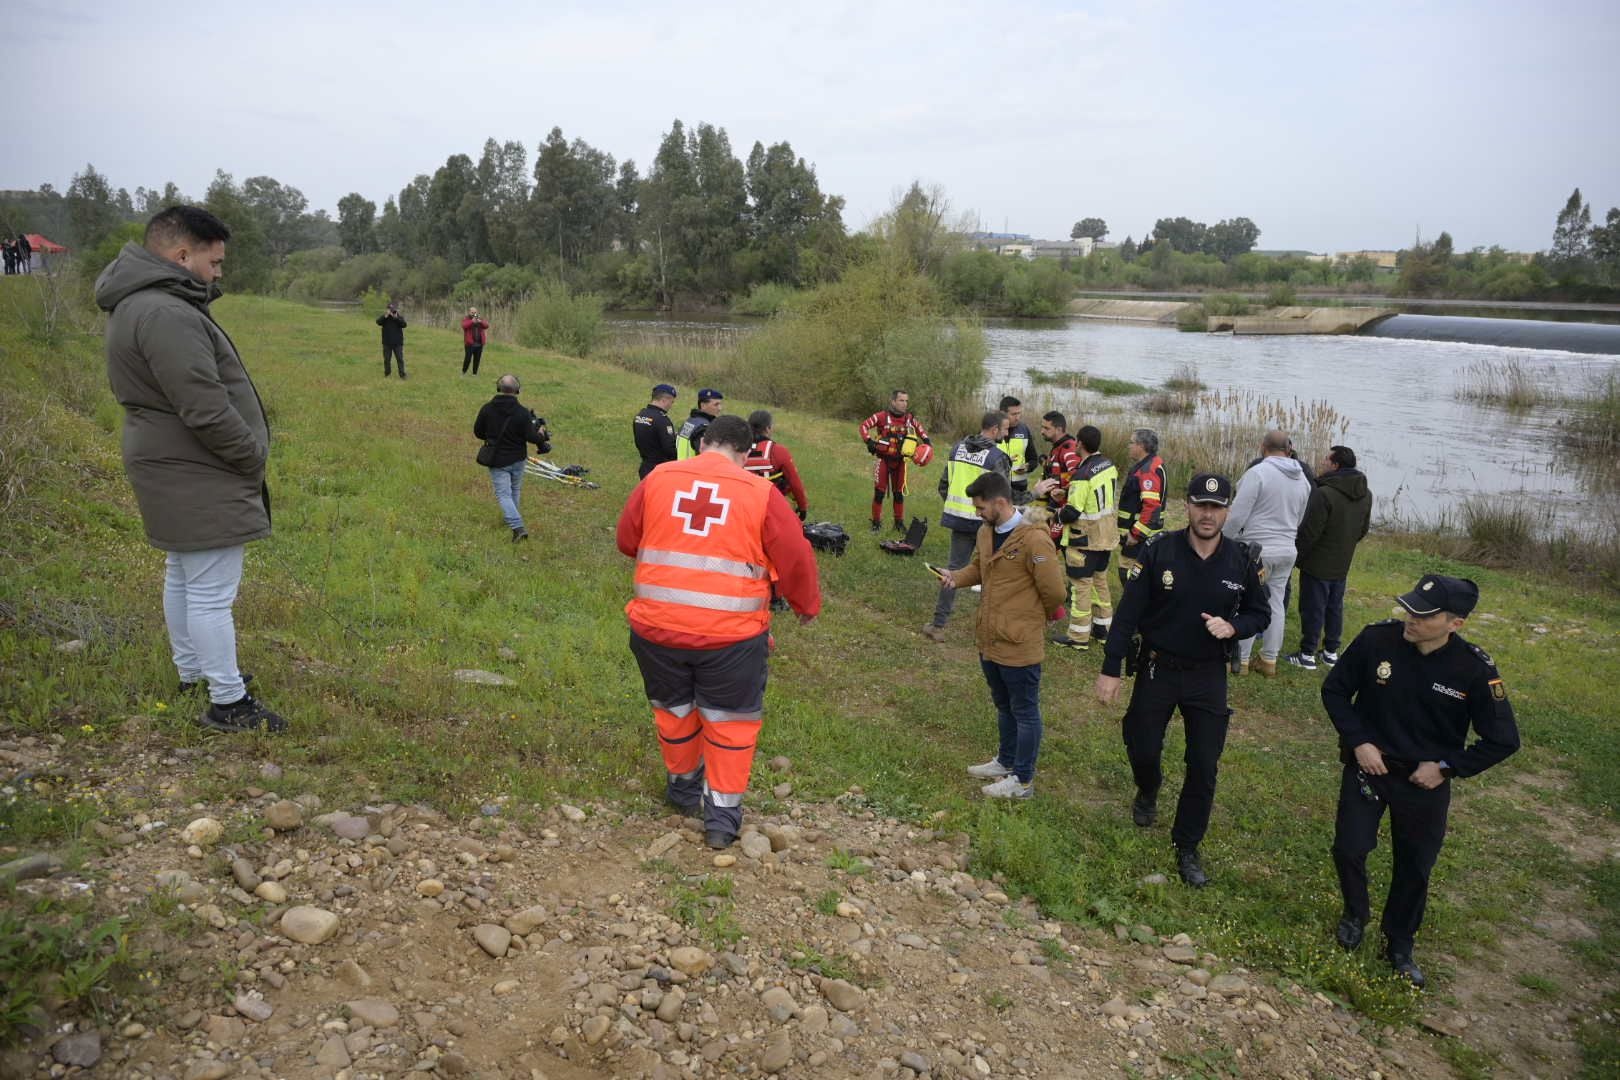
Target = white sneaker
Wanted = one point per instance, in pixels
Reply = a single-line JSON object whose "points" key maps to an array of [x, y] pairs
{"points": [[978, 588], [1008, 787], [990, 770]]}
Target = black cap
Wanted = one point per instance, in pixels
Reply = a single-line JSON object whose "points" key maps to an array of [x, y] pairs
{"points": [[1210, 488], [663, 389], [710, 395], [1436, 592]]}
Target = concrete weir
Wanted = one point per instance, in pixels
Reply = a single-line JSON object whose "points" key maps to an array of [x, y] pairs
{"points": [[1283, 320]]}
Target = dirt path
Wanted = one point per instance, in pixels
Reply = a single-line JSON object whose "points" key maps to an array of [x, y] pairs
{"points": [[585, 942]]}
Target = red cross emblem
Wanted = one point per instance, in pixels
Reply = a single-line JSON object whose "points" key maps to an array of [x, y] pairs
{"points": [[702, 507]]}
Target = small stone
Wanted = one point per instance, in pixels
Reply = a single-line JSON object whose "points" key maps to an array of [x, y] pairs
{"points": [[572, 813], [429, 887], [690, 960], [478, 677], [82, 1048], [132, 1030], [756, 845], [506, 653], [270, 771], [526, 921], [245, 875], [41, 866], [725, 859], [842, 995], [779, 1003], [781, 764], [778, 1052], [373, 1012], [1230, 985], [72, 647], [204, 832], [847, 910], [352, 974], [284, 816], [504, 987], [914, 1061], [912, 941], [494, 940], [1155, 879], [1181, 954], [813, 1021], [256, 1009], [663, 844], [309, 925], [333, 1054], [209, 1069], [224, 1030], [594, 1028], [782, 790], [350, 827], [669, 1009], [270, 892]]}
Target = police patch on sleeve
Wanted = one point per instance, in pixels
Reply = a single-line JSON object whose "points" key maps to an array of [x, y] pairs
{"points": [[1134, 573], [1498, 691]]}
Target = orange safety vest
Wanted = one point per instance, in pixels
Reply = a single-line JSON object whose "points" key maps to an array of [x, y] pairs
{"points": [[701, 568]]}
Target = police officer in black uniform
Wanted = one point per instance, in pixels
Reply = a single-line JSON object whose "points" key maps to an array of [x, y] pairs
{"points": [[1193, 594], [1403, 696], [654, 431]]}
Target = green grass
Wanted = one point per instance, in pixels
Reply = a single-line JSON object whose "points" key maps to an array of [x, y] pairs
{"points": [[389, 569], [839, 859], [1105, 385]]}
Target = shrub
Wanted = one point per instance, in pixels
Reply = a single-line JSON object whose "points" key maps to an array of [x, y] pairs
{"points": [[557, 318], [1226, 304], [1280, 295], [1193, 318], [373, 302], [765, 298]]}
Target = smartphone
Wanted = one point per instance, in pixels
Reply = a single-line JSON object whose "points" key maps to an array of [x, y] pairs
{"points": [[938, 572]]}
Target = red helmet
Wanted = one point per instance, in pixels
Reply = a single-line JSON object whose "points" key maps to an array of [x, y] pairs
{"points": [[923, 454]]}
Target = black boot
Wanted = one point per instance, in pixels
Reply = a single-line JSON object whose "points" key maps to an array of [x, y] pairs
{"points": [[1401, 960], [244, 715], [1190, 869], [1145, 809], [718, 840], [1349, 932]]}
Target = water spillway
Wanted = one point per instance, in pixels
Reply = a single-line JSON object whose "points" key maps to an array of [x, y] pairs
{"points": [[1504, 333]]}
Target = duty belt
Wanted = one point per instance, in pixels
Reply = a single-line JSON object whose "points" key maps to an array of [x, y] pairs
{"points": [[1172, 662]]}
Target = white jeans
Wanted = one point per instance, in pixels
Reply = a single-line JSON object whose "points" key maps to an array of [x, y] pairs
{"points": [[199, 588], [1277, 571]]}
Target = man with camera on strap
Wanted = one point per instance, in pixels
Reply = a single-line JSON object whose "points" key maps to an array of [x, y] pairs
{"points": [[507, 429]]}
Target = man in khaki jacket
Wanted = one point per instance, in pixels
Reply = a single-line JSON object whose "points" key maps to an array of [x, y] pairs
{"points": [[1018, 567]]}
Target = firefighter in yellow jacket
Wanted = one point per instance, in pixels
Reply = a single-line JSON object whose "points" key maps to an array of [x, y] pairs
{"points": [[1090, 536]]}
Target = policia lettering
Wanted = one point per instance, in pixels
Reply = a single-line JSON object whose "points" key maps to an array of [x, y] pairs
{"points": [[1089, 537]]}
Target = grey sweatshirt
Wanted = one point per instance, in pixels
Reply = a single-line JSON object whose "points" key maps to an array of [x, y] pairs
{"points": [[1270, 503]]}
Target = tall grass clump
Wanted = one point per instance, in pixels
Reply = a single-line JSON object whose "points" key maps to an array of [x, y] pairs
{"points": [[561, 319], [1508, 383], [1281, 295], [1597, 419], [1184, 379], [1226, 304], [1192, 319], [1106, 385], [765, 298]]}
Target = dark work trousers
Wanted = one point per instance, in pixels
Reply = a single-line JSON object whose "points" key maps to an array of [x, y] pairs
{"points": [[708, 705], [1016, 694], [1321, 608], [390, 353], [961, 554], [1417, 828], [470, 357], [1200, 692]]}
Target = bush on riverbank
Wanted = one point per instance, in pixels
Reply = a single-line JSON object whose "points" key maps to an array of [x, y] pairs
{"points": [[765, 298], [557, 318]]}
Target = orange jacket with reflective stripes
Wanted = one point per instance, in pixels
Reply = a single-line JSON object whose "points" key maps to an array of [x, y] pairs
{"points": [[701, 567]]}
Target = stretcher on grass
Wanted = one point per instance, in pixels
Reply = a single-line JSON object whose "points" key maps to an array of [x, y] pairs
{"points": [[571, 475]]}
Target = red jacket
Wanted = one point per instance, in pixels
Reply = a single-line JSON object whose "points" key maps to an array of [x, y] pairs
{"points": [[888, 431], [792, 562], [473, 330], [771, 459]]}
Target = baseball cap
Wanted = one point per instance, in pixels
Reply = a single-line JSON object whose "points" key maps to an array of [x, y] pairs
{"points": [[710, 395], [663, 389], [1210, 488], [1437, 592]]}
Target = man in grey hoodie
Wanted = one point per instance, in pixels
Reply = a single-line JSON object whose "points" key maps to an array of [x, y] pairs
{"points": [[1269, 506], [195, 441]]}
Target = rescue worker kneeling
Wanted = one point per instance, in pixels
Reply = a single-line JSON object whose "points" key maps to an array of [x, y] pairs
{"points": [[708, 538]]}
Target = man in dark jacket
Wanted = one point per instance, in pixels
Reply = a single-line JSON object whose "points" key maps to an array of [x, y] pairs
{"points": [[195, 442], [654, 431], [1336, 518], [509, 428], [393, 337], [970, 459]]}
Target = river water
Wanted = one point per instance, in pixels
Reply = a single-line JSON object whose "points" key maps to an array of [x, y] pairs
{"points": [[1424, 449]]}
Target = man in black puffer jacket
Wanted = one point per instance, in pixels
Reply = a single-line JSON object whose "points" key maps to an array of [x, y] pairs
{"points": [[1336, 518], [509, 428]]}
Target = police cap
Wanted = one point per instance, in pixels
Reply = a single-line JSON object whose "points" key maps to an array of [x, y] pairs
{"points": [[1437, 592], [1210, 488]]}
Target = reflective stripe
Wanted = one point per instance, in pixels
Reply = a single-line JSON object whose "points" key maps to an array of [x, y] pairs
{"points": [[720, 798], [721, 716], [659, 557], [684, 709], [682, 739], [711, 601]]}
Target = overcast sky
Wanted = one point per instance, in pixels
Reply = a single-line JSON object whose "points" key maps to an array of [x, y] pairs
{"points": [[1331, 127]]}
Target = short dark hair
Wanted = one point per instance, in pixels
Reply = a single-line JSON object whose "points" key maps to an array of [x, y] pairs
{"points": [[1057, 420], [1090, 437], [897, 391], [990, 485], [760, 421], [731, 432], [1342, 456], [1009, 402], [183, 224], [992, 419]]}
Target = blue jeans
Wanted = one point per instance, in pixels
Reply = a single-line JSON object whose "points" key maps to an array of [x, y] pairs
{"points": [[199, 589], [508, 483], [1321, 603], [1016, 692]]}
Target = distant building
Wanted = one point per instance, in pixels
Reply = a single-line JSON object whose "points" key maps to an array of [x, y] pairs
{"points": [[1308, 256], [1384, 260], [1064, 249]]}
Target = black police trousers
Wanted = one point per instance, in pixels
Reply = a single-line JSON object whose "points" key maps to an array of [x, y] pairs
{"points": [[390, 354], [1417, 827], [1200, 692]]}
